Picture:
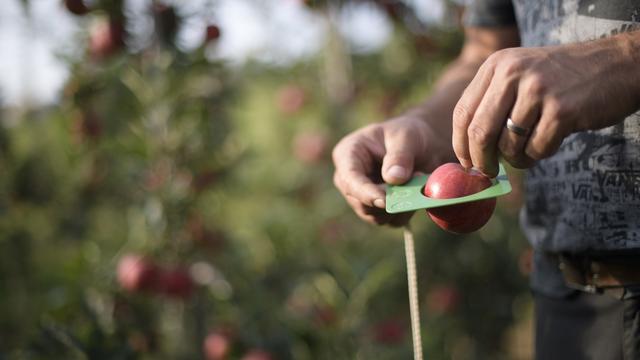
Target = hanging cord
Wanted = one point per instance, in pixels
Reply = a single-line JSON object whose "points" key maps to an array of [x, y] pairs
{"points": [[412, 279]]}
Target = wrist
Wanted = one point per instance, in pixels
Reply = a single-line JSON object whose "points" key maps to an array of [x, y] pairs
{"points": [[630, 48], [624, 57], [612, 65]]}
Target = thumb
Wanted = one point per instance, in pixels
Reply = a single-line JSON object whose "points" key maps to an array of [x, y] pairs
{"points": [[398, 163]]}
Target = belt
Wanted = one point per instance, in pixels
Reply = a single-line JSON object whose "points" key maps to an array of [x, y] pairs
{"points": [[601, 274]]}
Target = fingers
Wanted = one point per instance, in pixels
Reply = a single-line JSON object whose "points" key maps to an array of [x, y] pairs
{"points": [[355, 158], [354, 184], [369, 214], [357, 161], [548, 134], [465, 110], [525, 113], [488, 121], [378, 216], [401, 145]]}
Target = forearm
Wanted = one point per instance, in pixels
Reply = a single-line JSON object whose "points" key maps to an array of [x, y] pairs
{"points": [[610, 68], [437, 110], [628, 59]]}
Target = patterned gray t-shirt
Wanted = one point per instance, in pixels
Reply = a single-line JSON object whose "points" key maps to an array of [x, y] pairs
{"points": [[586, 197]]}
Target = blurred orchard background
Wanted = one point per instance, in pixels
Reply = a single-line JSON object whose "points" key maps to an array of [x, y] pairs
{"points": [[166, 186]]}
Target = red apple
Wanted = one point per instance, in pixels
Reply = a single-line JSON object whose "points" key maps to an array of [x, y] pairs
{"points": [[390, 331], [443, 299], [217, 345], [212, 33], [310, 147], [325, 315], [257, 355], [106, 39], [451, 180], [291, 99], [77, 7], [177, 283], [136, 273]]}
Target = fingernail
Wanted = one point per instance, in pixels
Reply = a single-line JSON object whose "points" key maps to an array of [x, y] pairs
{"points": [[397, 172], [379, 203]]}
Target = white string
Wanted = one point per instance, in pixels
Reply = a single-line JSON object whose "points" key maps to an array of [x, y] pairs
{"points": [[412, 279]]}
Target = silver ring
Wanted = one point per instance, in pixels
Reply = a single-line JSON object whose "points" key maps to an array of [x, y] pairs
{"points": [[518, 130]]}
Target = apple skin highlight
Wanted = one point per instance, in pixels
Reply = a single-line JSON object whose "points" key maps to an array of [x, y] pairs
{"points": [[451, 180]]}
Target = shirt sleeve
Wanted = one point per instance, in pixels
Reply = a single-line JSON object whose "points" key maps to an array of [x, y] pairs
{"points": [[487, 13]]}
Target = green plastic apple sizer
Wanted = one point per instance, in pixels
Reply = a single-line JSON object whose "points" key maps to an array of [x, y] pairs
{"points": [[409, 196]]}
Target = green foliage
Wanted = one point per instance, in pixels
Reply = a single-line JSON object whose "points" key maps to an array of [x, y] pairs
{"points": [[192, 163]]}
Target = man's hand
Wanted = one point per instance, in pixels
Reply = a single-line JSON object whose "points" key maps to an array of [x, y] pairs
{"points": [[417, 141], [552, 91], [391, 152]]}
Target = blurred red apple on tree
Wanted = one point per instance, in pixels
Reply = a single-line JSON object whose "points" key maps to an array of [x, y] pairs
{"points": [[212, 33], [451, 180], [137, 274], [257, 355], [106, 39], [325, 315], [390, 331], [176, 283], [77, 7], [291, 99], [217, 345], [310, 147], [442, 299]]}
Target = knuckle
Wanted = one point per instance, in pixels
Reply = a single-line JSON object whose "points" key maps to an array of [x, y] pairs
{"points": [[510, 66], [479, 136], [461, 116], [369, 129], [535, 85], [495, 58], [557, 108]]}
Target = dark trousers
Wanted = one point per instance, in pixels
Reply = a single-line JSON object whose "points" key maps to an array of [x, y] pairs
{"points": [[587, 326]]}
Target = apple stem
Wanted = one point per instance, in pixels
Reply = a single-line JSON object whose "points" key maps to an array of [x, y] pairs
{"points": [[412, 279]]}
